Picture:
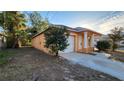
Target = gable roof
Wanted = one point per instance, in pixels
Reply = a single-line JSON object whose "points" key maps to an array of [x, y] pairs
{"points": [[77, 29]]}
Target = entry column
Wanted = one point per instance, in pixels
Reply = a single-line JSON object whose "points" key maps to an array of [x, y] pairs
{"points": [[92, 41], [85, 39]]}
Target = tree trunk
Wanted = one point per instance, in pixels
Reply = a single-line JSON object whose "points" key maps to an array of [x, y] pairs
{"points": [[14, 37], [113, 48], [15, 40], [57, 53], [15, 44]]}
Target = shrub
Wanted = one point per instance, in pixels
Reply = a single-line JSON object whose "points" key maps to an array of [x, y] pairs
{"points": [[56, 39], [103, 45]]}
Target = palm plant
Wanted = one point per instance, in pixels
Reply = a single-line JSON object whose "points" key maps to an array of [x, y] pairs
{"points": [[12, 22]]}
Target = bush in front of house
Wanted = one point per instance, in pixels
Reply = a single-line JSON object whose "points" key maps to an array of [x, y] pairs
{"points": [[56, 39], [103, 45]]}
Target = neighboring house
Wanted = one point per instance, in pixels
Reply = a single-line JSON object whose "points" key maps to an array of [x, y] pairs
{"points": [[2, 41], [80, 40], [121, 43], [104, 37]]}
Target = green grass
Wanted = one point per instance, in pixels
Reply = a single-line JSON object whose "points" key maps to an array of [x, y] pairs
{"points": [[4, 56]]}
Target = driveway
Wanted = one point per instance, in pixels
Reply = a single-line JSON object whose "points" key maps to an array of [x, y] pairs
{"points": [[99, 62]]}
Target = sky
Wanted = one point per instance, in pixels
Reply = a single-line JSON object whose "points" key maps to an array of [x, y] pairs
{"points": [[100, 21]]}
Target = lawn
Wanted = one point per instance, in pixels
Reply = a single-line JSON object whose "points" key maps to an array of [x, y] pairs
{"points": [[5, 56], [119, 56], [29, 64]]}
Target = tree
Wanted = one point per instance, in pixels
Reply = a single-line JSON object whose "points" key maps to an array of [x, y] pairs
{"points": [[56, 39], [103, 45], [12, 22], [38, 23], [116, 36]]}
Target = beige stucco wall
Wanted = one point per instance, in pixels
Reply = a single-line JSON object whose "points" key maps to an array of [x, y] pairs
{"points": [[38, 42], [75, 40]]}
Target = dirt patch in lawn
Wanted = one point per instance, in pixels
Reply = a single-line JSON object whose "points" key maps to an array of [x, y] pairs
{"points": [[30, 64]]}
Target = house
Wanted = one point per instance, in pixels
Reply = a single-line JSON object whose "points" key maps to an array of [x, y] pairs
{"points": [[80, 40], [121, 43], [2, 41]]}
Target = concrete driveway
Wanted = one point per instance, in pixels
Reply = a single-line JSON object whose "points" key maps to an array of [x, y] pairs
{"points": [[99, 62]]}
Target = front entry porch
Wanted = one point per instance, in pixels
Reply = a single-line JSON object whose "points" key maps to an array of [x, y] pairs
{"points": [[85, 42]]}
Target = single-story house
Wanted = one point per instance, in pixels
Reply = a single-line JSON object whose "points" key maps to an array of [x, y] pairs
{"points": [[80, 40]]}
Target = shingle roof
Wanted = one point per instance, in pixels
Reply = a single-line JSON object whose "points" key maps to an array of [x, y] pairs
{"points": [[77, 29], [80, 29]]}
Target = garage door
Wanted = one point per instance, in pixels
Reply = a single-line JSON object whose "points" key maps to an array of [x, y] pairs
{"points": [[70, 48]]}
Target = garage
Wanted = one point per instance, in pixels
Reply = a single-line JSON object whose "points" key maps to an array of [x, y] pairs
{"points": [[70, 48]]}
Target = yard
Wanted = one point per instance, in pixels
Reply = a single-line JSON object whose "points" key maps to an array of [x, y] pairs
{"points": [[30, 64], [118, 55], [5, 56]]}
